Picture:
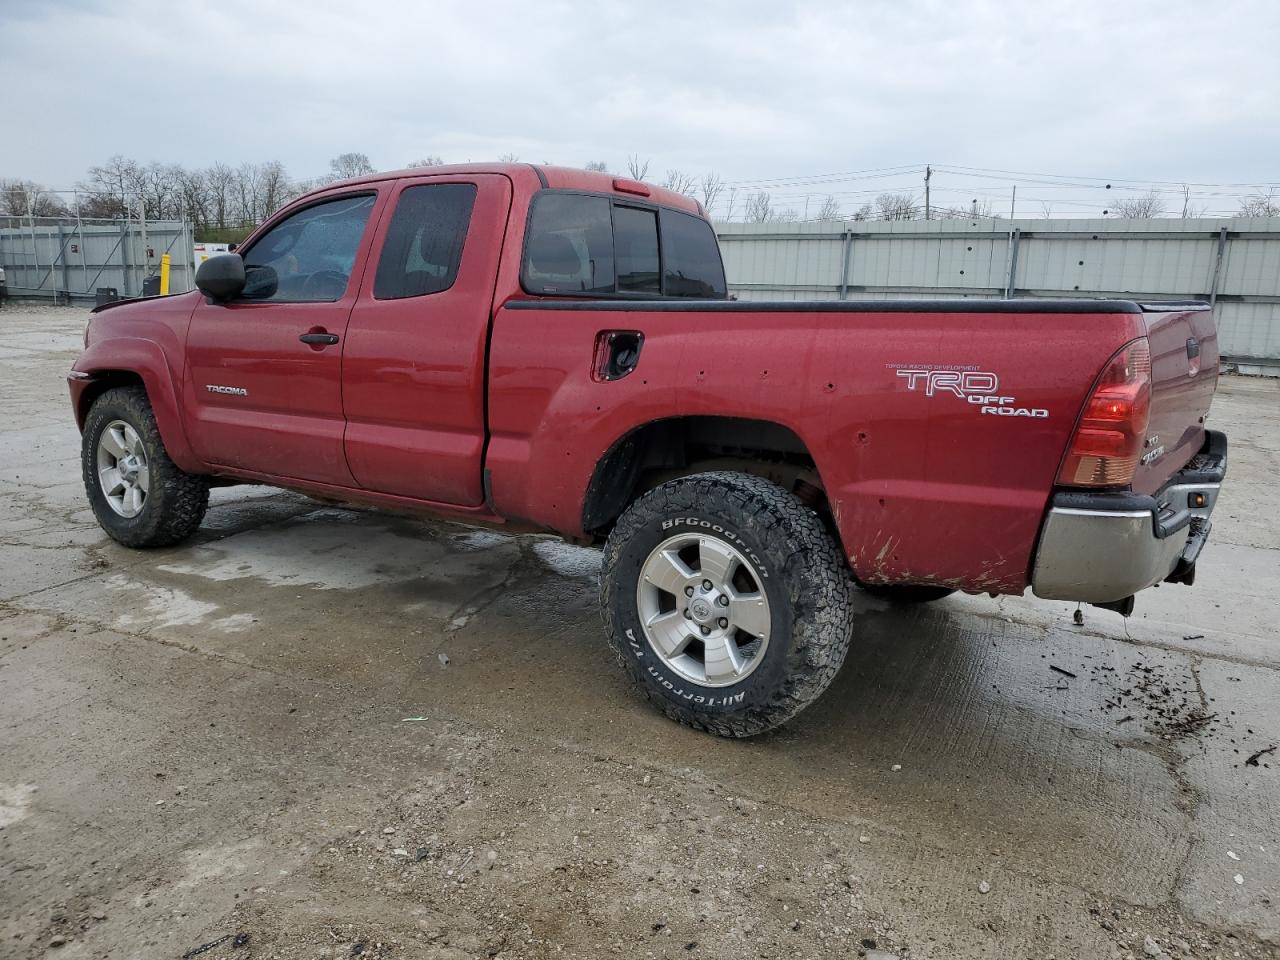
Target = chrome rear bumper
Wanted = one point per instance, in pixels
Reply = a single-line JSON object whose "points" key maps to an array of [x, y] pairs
{"points": [[1105, 547]]}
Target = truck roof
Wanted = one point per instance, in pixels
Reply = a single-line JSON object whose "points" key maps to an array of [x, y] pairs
{"points": [[556, 178]]}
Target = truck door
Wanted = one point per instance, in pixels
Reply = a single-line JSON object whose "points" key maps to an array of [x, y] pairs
{"points": [[414, 360], [264, 372]]}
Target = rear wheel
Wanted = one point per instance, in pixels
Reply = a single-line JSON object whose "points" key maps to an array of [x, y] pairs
{"points": [[726, 601], [140, 497]]}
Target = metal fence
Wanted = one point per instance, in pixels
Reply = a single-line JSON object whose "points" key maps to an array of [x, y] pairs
{"points": [[68, 260], [1234, 264]]}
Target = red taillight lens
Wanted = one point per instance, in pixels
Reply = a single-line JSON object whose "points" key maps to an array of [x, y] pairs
{"points": [[1108, 442]]}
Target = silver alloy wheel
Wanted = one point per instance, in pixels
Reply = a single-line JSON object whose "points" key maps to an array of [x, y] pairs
{"points": [[122, 468], [703, 609]]}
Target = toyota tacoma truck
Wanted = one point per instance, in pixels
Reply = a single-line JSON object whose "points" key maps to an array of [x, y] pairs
{"points": [[553, 350]]}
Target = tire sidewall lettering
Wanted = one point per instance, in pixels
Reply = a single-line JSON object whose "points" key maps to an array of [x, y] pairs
{"points": [[722, 531], [634, 643]]}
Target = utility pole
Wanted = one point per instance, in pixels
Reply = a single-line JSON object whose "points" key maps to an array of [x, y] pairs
{"points": [[928, 172]]}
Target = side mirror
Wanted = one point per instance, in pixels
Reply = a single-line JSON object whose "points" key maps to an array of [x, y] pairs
{"points": [[221, 277]]}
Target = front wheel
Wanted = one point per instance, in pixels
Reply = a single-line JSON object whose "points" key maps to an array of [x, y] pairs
{"points": [[726, 601], [140, 497]]}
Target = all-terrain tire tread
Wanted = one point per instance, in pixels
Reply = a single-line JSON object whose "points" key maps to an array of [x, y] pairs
{"points": [[816, 579], [176, 501]]}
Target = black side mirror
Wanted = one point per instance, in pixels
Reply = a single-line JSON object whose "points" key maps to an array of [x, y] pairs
{"points": [[221, 277]]}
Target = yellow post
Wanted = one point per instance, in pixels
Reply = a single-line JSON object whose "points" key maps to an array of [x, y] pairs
{"points": [[164, 275]]}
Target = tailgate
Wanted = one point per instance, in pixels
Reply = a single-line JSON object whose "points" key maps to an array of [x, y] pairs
{"points": [[1184, 375]]}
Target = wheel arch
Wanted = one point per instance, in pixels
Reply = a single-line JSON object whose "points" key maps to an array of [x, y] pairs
{"points": [[128, 361], [99, 383], [659, 450]]}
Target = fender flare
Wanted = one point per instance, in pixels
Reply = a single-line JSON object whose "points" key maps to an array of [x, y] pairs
{"points": [[146, 359]]}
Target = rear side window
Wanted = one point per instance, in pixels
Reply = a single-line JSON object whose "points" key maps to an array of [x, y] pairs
{"points": [[692, 266], [570, 246], [591, 245], [424, 241]]}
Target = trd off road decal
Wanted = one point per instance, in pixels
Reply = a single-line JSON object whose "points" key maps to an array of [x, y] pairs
{"points": [[981, 388]]}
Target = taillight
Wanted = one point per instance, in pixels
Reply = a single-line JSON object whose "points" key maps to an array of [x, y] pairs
{"points": [[1108, 442]]}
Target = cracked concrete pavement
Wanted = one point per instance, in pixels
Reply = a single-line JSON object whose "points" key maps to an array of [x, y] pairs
{"points": [[253, 740]]}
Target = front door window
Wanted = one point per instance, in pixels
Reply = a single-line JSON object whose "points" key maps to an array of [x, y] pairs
{"points": [[309, 256]]}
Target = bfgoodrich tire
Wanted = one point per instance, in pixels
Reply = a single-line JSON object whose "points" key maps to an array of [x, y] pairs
{"points": [[138, 494], [726, 601]]}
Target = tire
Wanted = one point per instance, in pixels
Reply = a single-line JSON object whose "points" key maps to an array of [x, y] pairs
{"points": [[907, 593], [173, 503], [773, 562]]}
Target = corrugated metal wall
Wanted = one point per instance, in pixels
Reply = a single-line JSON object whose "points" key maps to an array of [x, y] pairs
{"points": [[1233, 263], [66, 260]]}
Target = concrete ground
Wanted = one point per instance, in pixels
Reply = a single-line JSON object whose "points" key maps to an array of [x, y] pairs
{"points": [[316, 732]]}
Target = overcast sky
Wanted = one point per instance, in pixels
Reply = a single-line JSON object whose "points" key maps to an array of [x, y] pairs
{"points": [[1165, 90]]}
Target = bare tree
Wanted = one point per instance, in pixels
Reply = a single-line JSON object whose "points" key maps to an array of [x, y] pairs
{"points": [[759, 208], [680, 182], [220, 179], [275, 188], [160, 190], [430, 160], [112, 187], [863, 212], [896, 206], [20, 198], [789, 215], [346, 165], [1046, 210], [1260, 205], [598, 166], [1190, 210], [508, 158], [1139, 208], [710, 189], [636, 168], [830, 209], [247, 193], [982, 210], [731, 203], [195, 197]]}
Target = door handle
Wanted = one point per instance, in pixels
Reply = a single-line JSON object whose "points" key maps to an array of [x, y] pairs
{"points": [[319, 339]]}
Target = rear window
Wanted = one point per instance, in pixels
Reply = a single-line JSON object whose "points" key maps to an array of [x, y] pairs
{"points": [[635, 250], [591, 245]]}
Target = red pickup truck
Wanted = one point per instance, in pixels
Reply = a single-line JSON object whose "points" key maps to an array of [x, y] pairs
{"points": [[554, 350]]}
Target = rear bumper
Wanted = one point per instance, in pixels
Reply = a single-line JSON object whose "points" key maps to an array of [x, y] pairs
{"points": [[1104, 547]]}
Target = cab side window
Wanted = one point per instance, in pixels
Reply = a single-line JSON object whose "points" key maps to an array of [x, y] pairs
{"points": [[423, 247], [691, 258], [570, 245], [581, 244], [309, 256]]}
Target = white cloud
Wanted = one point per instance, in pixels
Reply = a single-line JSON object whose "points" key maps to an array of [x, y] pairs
{"points": [[1154, 90]]}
